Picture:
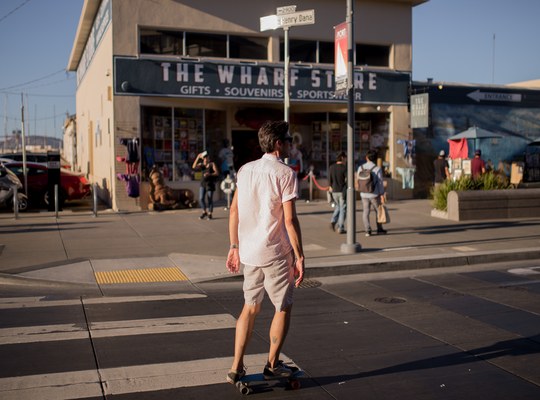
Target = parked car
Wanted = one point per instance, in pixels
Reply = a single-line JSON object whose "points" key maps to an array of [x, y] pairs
{"points": [[73, 186]]}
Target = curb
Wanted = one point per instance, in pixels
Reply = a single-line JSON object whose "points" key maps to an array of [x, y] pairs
{"points": [[335, 269], [410, 264], [14, 280], [424, 262]]}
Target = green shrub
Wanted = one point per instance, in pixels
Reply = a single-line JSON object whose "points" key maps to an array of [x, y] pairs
{"points": [[488, 181]]}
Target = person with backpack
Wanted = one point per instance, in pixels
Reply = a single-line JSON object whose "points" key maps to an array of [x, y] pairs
{"points": [[370, 185]]}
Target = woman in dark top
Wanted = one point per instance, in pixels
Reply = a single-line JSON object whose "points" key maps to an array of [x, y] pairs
{"points": [[210, 174]]}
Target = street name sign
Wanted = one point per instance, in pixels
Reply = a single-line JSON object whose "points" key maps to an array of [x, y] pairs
{"points": [[287, 16], [285, 10], [306, 17]]}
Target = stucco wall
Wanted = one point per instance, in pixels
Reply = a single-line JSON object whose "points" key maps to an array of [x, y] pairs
{"points": [[376, 22], [95, 118]]}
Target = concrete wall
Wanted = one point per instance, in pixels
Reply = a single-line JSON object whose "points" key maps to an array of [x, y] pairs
{"points": [[489, 204], [95, 119]]}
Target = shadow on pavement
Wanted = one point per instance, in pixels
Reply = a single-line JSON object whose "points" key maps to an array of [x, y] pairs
{"points": [[512, 348]]}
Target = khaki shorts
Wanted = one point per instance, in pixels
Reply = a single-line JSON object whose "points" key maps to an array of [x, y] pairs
{"points": [[277, 279]]}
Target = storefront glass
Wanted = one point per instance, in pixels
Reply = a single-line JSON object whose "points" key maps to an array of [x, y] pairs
{"points": [[321, 136], [173, 147]]}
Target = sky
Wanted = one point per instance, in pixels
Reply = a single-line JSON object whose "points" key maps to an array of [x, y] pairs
{"points": [[36, 37], [453, 41]]}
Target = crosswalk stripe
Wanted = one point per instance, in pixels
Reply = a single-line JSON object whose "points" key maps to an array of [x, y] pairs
{"points": [[162, 325], [57, 386], [44, 333], [123, 380], [47, 333], [32, 302]]}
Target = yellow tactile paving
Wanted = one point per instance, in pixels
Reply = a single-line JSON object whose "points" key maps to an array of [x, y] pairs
{"points": [[171, 274]]}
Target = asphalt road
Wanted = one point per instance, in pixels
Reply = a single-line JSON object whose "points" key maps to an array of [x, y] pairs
{"points": [[430, 334]]}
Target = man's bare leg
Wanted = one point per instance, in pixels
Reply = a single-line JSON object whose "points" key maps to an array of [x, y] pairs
{"points": [[278, 333], [244, 330]]}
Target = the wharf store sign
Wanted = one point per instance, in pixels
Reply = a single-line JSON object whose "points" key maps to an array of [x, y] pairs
{"points": [[252, 81]]}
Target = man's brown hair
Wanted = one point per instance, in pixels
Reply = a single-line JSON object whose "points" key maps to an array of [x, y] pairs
{"points": [[272, 131]]}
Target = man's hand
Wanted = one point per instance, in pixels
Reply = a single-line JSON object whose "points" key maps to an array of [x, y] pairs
{"points": [[299, 271], [233, 261]]}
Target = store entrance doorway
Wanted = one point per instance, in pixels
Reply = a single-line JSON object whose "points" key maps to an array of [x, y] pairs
{"points": [[246, 147]]}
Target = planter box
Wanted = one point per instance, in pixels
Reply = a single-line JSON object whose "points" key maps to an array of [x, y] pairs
{"points": [[493, 204]]}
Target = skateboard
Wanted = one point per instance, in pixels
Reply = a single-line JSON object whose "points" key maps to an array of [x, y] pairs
{"points": [[258, 382]]}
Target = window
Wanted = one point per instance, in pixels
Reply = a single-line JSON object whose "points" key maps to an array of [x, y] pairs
{"points": [[37, 171], [299, 50], [206, 45], [164, 42], [307, 51], [326, 52], [373, 55], [161, 42], [172, 138], [253, 48], [17, 170]]}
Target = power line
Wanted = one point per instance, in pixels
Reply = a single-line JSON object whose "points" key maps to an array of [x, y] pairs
{"points": [[18, 119], [12, 11], [49, 95], [34, 80], [68, 79], [38, 95]]}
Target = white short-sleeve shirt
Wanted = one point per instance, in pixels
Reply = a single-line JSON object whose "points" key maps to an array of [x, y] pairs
{"points": [[263, 186]]}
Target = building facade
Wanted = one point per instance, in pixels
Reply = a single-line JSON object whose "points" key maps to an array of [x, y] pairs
{"points": [[168, 79], [509, 116], [69, 150]]}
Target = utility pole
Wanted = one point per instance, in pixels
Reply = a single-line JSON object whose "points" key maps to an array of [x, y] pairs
{"points": [[283, 19], [5, 123], [351, 246], [25, 173], [54, 124], [286, 94], [493, 62]]}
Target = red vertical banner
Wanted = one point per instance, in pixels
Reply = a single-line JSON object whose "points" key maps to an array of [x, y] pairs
{"points": [[340, 59]]}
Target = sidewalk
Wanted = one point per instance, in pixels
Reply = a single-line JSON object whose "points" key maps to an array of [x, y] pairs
{"points": [[77, 246]]}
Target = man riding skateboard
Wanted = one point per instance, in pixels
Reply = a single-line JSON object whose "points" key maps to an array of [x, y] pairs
{"points": [[265, 236]]}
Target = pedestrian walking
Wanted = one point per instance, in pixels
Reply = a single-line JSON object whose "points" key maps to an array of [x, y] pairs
{"points": [[265, 236], [337, 177], [209, 176], [478, 166], [371, 186], [440, 169]]}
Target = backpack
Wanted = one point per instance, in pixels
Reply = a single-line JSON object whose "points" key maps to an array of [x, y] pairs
{"points": [[366, 181]]}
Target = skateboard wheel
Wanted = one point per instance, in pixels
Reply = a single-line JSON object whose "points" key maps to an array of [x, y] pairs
{"points": [[295, 384], [245, 390]]}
